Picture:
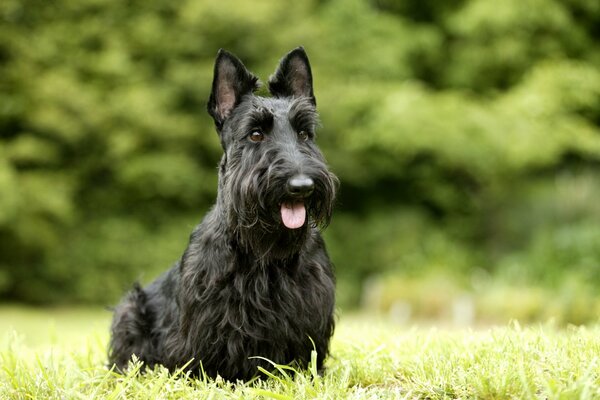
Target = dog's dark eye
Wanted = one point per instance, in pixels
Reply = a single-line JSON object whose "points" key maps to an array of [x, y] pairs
{"points": [[257, 136], [303, 136]]}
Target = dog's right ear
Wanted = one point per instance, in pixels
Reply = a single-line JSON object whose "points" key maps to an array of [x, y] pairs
{"points": [[231, 81]]}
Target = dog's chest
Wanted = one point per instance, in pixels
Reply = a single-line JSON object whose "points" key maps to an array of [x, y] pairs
{"points": [[268, 301], [267, 294]]}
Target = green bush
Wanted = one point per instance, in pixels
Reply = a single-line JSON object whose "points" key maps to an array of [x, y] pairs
{"points": [[465, 134]]}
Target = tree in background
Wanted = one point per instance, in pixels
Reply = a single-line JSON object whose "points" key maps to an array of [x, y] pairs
{"points": [[465, 133]]}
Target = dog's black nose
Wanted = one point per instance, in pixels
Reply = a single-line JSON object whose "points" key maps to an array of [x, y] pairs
{"points": [[300, 186]]}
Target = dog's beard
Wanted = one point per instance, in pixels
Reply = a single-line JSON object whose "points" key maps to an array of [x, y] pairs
{"points": [[258, 214], [275, 210]]}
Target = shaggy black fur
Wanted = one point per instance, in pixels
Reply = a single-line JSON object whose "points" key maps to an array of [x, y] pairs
{"points": [[247, 285]]}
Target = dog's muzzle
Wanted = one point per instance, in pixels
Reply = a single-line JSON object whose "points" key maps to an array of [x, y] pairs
{"points": [[293, 212]]}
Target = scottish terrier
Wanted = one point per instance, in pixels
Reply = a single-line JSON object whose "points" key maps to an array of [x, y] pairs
{"points": [[255, 281]]}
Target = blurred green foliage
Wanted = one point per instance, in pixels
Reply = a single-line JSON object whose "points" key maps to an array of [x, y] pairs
{"points": [[465, 133]]}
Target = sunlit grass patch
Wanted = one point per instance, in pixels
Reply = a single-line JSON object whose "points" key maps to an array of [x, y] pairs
{"points": [[500, 362], [371, 358]]}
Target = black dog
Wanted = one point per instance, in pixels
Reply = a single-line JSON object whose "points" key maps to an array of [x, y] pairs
{"points": [[255, 279]]}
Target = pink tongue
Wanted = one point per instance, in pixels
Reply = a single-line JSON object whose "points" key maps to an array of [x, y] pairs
{"points": [[293, 215]]}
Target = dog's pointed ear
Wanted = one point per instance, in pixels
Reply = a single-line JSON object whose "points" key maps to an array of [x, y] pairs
{"points": [[231, 81], [293, 77]]}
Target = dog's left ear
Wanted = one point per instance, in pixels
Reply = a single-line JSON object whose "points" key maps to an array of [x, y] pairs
{"points": [[293, 77], [231, 81]]}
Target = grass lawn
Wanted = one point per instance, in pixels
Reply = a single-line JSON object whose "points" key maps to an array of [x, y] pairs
{"points": [[60, 354]]}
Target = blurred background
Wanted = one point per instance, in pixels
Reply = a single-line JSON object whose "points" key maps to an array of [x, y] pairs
{"points": [[466, 135]]}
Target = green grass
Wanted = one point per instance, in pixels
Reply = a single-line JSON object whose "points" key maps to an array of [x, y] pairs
{"points": [[60, 354]]}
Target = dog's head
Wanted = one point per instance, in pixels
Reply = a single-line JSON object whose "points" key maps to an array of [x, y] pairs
{"points": [[272, 176]]}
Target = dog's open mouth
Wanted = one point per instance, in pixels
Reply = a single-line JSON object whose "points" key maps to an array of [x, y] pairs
{"points": [[293, 214]]}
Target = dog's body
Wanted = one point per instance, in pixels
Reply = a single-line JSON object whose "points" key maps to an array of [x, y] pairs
{"points": [[255, 279]]}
